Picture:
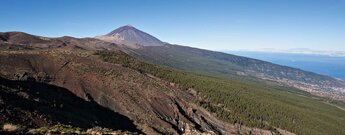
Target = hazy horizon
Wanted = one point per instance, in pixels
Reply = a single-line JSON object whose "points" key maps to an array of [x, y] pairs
{"points": [[221, 25]]}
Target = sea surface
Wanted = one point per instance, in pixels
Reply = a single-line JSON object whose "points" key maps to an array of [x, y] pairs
{"points": [[321, 64]]}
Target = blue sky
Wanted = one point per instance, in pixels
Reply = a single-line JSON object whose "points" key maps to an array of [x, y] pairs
{"points": [[209, 24]]}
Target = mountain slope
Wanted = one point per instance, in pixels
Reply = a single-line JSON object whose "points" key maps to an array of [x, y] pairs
{"points": [[227, 65], [246, 103], [153, 104], [163, 100]]}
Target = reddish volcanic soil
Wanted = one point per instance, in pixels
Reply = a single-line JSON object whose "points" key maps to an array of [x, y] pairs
{"points": [[154, 105], [61, 80]]}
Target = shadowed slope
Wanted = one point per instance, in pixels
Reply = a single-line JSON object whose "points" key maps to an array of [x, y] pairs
{"points": [[39, 104]]}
